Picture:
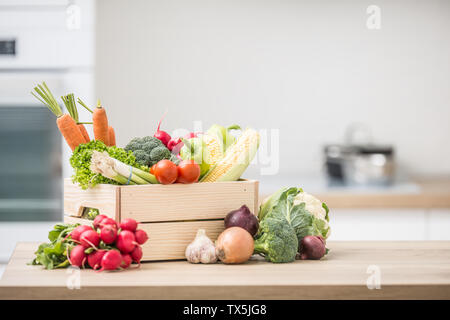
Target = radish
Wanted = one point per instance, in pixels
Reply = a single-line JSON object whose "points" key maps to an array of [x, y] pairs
{"points": [[126, 241], [97, 221], [128, 224], [111, 260], [95, 258], [141, 236], [75, 234], [126, 260], [175, 145], [108, 221], [136, 254], [89, 238], [77, 256], [108, 234], [163, 136]]}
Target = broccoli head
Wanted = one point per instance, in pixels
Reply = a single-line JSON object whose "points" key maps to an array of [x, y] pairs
{"points": [[276, 240], [148, 150], [158, 154], [141, 157]]}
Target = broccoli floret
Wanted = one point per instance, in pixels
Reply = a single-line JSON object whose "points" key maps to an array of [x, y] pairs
{"points": [[276, 240], [134, 144], [153, 140], [148, 150], [150, 145], [142, 157], [158, 154]]}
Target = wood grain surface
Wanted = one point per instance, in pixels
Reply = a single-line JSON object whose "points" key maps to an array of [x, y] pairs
{"points": [[407, 270], [104, 197], [177, 202]]}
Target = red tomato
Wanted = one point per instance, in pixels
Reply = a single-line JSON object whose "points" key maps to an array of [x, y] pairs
{"points": [[188, 171], [166, 172], [152, 169]]}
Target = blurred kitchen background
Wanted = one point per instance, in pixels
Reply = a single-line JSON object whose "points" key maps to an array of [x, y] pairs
{"points": [[358, 92]]}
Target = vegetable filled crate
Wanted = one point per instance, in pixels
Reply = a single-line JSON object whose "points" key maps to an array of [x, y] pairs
{"points": [[170, 214]]}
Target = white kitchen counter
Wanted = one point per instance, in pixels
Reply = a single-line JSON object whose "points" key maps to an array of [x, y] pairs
{"points": [[13, 232]]}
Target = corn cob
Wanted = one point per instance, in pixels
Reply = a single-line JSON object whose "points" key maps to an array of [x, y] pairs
{"points": [[214, 147], [237, 158]]}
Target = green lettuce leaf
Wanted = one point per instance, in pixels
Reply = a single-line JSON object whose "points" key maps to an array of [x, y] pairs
{"points": [[281, 206]]}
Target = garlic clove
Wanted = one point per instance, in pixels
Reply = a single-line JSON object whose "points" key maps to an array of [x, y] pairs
{"points": [[201, 250]]}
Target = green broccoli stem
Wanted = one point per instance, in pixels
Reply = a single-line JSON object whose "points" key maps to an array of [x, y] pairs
{"points": [[260, 247]]}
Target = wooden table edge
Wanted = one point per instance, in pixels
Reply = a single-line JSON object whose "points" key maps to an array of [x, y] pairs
{"points": [[324, 292]]}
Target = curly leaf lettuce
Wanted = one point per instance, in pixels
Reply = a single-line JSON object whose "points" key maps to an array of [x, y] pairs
{"points": [[81, 161]]}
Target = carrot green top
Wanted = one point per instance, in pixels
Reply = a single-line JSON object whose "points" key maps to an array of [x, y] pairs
{"points": [[47, 98], [69, 102], [84, 105]]}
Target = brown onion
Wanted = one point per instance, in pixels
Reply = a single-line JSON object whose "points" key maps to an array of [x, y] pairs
{"points": [[234, 245]]}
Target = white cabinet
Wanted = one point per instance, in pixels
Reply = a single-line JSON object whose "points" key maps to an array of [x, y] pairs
{"points": [[378, 224], [390, 224], [439, 224]]}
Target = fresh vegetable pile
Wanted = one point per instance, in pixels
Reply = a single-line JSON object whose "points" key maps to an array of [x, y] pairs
{"points": [[107, 245], [291, 224], [290, 214], [206, 157]]}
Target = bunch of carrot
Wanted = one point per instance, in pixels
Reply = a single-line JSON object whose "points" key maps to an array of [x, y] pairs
{"points": [[72, 130]]}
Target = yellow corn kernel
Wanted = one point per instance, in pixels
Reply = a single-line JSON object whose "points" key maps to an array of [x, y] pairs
{"points": [[214, 147], [237, 158]]}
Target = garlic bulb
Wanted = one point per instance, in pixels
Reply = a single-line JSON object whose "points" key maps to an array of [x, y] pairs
{"points": [[201, 250]]}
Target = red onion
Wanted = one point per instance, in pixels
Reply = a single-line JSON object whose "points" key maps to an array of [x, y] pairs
{"points": [[312, 247], [243, 218]]}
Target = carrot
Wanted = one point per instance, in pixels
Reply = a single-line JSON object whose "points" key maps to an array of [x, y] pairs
{"points": [[84, 132], [66, 124], [100, 121], [71, 106], [70, 131], [111, 132], [111, 136]]}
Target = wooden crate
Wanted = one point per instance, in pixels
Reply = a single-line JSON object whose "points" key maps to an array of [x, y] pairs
{"points": [[171, 214]]}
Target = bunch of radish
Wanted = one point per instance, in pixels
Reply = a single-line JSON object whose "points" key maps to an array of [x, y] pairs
{"points": [[107, 245]]}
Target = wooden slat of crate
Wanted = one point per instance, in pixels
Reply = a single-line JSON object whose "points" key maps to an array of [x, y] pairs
{"points": [[168, 240], [104, 197], [151, 203]]}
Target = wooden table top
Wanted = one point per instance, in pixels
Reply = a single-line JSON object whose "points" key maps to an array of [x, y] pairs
{"points": [[434, 193], [407, 270]]}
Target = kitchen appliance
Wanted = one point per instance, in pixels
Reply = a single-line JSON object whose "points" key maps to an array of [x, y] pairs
{"points": [[359, 163], [40, 40]]}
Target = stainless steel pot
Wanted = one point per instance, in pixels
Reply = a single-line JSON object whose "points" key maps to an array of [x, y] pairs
{"points": [[360, 164]]}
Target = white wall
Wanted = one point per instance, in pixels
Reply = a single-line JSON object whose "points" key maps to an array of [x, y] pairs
{"points": [[309, 68]]}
